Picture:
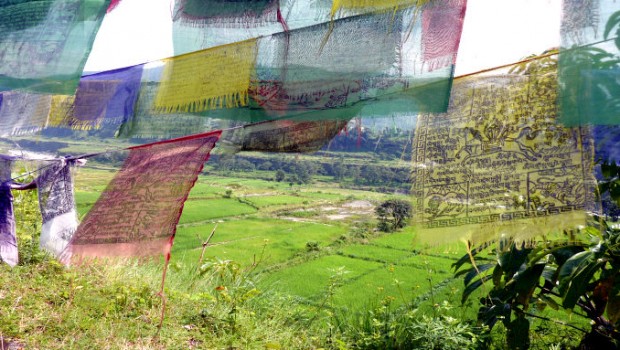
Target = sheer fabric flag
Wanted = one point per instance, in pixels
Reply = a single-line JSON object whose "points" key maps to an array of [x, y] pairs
{"points": [[323, 66], [44, 44], [498, 164], [353, 60], [221, 22], [285, 135], [145, 124], [340, 63], [589, 64], [23, 113], [441, 32], [372, 5], [209, 79], [226, 13], [199, 24], [8, 241], [138, 212], [57, 204], [107, 97]]}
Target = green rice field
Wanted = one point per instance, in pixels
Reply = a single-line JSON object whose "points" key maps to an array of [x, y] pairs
{"points": [[273, 224]]}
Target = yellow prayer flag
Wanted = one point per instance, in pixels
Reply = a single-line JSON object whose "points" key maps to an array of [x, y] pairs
{"points": [[497, 164], [209, 79], [373, 5], [60, 110]]}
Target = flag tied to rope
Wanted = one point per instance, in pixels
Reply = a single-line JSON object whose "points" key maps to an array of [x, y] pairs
{"points": [[386, 50], [23, 113], [497, 164], [137, 214], [8, 241], [406, 67], [209, 79], [57, 204], [44, 44], [107, 97], [226, 13]]}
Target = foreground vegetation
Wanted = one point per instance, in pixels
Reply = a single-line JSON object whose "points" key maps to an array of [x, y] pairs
{"points": [[289, 267]]}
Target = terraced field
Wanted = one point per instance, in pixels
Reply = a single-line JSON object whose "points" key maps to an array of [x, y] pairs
{"points": [[303, 240]]}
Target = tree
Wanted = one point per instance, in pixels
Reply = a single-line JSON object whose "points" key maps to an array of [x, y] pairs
{"points": [[265, 166], [280, 175], [244, 165], [393, 214], [338, 170], [303, 172]]}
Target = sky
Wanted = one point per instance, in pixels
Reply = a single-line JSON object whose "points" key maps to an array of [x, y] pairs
{"points": [[495, 32]]}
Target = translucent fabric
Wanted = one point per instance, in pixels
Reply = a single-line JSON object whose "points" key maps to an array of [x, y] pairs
{"points": [[8, 241], [285, 135], [57, 204], [226, 13], [589, 65], [23, 113], [497, 164], [219, 22], [44, 44], [107, 97], [208, 79], [313, 69], [137, 213]]}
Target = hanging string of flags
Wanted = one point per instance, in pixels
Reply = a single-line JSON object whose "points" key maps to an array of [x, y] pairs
{"points": [[139, 208], [362, 62], [287, 76]]}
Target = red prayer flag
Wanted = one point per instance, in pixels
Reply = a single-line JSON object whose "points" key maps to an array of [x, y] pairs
{"points": [[137, 213], [441, 32]]}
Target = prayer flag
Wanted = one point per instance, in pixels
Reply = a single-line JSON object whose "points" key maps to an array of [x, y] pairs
{"points": [[441, 32], [44, 44], [208, 79], [8, 241], [498, 164], [287, 135], [57, 204], [137, 213], [226, 13], [107, 97], [23, 113]]}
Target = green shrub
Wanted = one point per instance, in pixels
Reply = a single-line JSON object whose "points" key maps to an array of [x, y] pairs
{"points": [[393, 214]]}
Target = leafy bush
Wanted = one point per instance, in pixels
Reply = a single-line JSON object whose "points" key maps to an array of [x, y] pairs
{"points": [[569, 274], [312, 246], [383, 327], [393, 214]]}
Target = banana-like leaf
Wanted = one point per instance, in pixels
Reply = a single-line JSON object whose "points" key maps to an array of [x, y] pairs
{"points": [[575, 274], [472, 287], [613, 20], [473, 273]]}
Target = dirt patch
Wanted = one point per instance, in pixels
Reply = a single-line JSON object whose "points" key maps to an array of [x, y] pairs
{"points": [[337, 216], [360, 204], [349, 209]]}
